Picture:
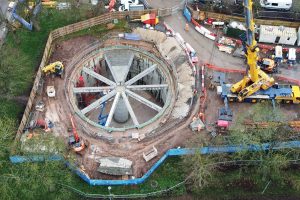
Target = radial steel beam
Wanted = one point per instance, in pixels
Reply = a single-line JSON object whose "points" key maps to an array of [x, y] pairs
{"points": [[147, 87], [98, 76], [130, 110], [112, 109], [141, 75], [113, 72], [92, 89], [97, 103], [144, 101]]}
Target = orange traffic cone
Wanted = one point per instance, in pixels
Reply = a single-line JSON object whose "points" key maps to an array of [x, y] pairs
{"points": [[186, 27]]}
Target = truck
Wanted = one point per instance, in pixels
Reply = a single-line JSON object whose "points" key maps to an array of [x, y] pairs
{"points": [[280, 93]]}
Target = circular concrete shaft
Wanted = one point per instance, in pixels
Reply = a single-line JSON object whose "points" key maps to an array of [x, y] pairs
{"points": [[120, 89]]}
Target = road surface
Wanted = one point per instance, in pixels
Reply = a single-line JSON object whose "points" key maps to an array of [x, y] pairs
{"points": [[206, 49]]}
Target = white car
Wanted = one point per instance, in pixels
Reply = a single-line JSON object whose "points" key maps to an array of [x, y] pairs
{"points": [[276, 4], [130, 2]]}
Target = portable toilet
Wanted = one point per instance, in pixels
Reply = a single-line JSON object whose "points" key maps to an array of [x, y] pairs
{"points": [[278, 53], [292, 56]]}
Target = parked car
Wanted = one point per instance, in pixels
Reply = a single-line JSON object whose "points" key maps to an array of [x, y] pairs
{"points": [[276, 4]]}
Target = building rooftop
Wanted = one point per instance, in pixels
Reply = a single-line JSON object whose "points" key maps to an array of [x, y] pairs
{"points": [[278, 31]]}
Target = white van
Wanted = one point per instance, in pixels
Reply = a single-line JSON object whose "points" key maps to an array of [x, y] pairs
{"points": [[123, 2], [276, 4]]}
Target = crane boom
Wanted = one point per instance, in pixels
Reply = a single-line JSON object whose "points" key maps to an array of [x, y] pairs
{"points": [[252, 54], [255, 78], [74, 129]]}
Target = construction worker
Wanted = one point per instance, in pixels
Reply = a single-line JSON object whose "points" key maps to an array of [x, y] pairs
{"points": [[186, 27]]}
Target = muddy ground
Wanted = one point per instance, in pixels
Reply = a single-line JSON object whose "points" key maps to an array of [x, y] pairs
{"points": [[175, 135]]}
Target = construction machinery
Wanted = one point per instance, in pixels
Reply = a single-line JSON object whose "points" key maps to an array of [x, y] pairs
{"points": [[56, 68], [268, 65], [148, 19], [257, 85], [31, 11], [255, 79], [74, 141]]}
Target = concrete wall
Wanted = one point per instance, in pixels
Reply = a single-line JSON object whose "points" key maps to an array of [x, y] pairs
{"points": [[3, 7]]}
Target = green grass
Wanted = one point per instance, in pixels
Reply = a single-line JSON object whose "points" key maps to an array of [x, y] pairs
{"points": [[10, 109], [29, 45], [233, 185], [98, 31]]}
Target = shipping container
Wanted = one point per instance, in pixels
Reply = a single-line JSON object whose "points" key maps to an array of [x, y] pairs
{"points": [[277, 35]]}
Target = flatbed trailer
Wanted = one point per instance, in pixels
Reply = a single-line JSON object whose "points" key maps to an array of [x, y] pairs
{"points": [[280, 93]]}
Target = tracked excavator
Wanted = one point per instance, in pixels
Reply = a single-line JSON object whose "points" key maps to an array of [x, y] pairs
{"points": [[75, 142], [255, 78], [56, 68]]}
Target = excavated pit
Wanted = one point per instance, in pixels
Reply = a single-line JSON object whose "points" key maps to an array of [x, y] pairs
{"points": [[120, 88], [160, 98]]}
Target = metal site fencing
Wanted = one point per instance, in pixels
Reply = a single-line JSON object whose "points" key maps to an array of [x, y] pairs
{"points": [[290, 16], [163, 12], [208, 150], [238, 10], [224, 17]]}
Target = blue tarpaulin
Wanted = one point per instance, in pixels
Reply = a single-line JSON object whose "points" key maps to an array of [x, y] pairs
{"points": [[171, 152], [187, 14], [132, 36]]}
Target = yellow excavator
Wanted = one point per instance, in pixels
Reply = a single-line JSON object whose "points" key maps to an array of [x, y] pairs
{"points": [[255, 79], [56, 68]]}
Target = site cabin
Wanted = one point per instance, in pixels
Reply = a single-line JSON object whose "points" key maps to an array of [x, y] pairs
{"points": [[278, 54], [277, 93], [278, 35], [292, 56], [276, 4]]}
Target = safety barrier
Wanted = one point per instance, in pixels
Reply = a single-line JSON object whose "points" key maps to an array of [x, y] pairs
{"points": [[241, 71], [169, 153], [225, 70], [290, 80]]}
